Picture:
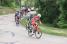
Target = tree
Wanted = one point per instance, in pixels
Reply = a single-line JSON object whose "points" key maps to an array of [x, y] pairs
{"points": [[53, 12], [63, 16], [7, 3], [48, 9]]}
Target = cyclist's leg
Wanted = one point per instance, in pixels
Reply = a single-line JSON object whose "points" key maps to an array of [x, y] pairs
{"points": [[17, 20], [33, 24], [37, 28]]}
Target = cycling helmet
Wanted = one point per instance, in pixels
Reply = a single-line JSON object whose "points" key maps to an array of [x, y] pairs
{"points": [[39, 15], [32, 8], [29, 9]]}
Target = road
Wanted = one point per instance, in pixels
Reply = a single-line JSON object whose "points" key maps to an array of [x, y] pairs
{"points": [[12, 34]]}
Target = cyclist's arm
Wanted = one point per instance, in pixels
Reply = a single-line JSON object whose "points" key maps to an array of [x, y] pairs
{"points": [[39, 21]]}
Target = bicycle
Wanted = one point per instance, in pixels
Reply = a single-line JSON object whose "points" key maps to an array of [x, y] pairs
{"points": [[36, 32]]}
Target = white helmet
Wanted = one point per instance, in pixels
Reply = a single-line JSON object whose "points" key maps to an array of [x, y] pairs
{"points": [[29, 9], [32, 8], [39, 15]]}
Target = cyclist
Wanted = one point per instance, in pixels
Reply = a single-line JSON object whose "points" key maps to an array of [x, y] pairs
{"points": [[34, 22], [17, 16], [31, 13], [22, 11]]}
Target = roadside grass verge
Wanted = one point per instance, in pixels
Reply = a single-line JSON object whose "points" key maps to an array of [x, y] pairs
{"points": [[6, 10], [53, 31], [48, 30]]}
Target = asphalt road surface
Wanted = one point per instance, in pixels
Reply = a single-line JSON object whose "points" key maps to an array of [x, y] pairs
{"points": [[12, 34]]}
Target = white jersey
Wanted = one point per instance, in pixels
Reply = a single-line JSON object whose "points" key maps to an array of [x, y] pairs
{"points": [[31, 13]]}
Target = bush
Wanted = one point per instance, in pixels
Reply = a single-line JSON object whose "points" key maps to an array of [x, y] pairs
{"points": [[62, 24]]}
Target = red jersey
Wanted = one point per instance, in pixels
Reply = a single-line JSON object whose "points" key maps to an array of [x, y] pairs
{"points": [[34, 19]]}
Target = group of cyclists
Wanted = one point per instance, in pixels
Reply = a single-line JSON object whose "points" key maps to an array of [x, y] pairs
{"points": [[32, 16]]}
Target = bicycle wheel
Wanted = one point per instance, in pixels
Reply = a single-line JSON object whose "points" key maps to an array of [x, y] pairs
{"points": [[38, 34], [30, 32]]}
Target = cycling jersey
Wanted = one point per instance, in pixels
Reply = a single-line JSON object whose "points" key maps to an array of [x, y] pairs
{"points": [[17, 15], [35, 18], [33, 21], [31, 14]]}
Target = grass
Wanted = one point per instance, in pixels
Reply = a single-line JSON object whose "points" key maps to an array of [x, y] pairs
{"points": [[49, 30], [6, 10], [53, 31]]}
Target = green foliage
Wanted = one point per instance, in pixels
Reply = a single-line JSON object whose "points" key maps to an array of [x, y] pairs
{"points": [[62, 24], [63, 16], [9, 3], [48, 9], [53, 12], [30, 3]]}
